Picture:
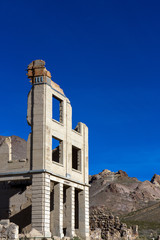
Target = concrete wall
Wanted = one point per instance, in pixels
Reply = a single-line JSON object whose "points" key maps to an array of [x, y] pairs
{"points": [[44, 128]]}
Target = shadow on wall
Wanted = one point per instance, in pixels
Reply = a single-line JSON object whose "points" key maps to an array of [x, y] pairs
{"points": [[22, 218], [15, 203]]}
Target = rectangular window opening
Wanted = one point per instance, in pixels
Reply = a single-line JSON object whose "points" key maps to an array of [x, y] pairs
{"points": [[57, 109], [57, 150], [76, 158]]}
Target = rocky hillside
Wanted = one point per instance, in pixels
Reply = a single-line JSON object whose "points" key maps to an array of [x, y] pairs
{"points": [[121, 194], [135, 202]]}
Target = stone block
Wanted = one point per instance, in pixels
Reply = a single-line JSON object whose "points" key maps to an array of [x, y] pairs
{"points": [[4, 222]]}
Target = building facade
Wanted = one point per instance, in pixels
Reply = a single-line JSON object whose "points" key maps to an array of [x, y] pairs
{"points": [[56, 163]]}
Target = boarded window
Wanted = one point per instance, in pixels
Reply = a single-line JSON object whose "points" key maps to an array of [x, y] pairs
{"points": [[76, 158], [57, 150], [57, 109]]}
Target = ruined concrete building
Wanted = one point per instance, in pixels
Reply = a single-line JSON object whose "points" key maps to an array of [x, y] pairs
{"points": [[47, 189]]}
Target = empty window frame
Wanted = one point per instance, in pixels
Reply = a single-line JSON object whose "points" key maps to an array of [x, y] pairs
{"points": [[57, 150], [76, 158], [57, 109]]}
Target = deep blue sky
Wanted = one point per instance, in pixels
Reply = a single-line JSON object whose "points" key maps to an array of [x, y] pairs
{"points": [[106, 57]]}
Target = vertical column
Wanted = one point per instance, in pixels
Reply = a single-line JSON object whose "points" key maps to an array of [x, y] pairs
{"points": [[68, 138], [10, 149], [86, 154], [58, 210], [41, 203], [84, 213], [70, 213]]}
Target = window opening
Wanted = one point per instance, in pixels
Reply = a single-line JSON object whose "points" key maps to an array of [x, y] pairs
{"points": [[57, 109], [76, 158], [57, 150]]}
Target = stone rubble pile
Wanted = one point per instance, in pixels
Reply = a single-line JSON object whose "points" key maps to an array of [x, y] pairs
{"points": [[8, 230], [111, 228], [95, 234]]}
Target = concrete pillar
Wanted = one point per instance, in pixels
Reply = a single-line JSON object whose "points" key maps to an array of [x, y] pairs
{"points": [[58, 210], [84, 213], [70, 212], [10, 149], [41, 203]]}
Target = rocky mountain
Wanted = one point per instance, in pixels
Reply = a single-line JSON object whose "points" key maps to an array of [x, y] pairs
{"points": [[121, 194]]}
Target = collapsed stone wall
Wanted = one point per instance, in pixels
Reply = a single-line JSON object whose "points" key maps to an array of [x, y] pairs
{"points": [[8, 230], [110, 226]]}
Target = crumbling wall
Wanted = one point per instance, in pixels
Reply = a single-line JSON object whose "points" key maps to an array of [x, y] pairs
{"points": [[5, 151], [110, 226], [14, 154], [95, 234]]}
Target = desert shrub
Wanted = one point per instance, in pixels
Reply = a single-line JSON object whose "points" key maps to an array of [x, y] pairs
{"points": [[76, 238]]}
